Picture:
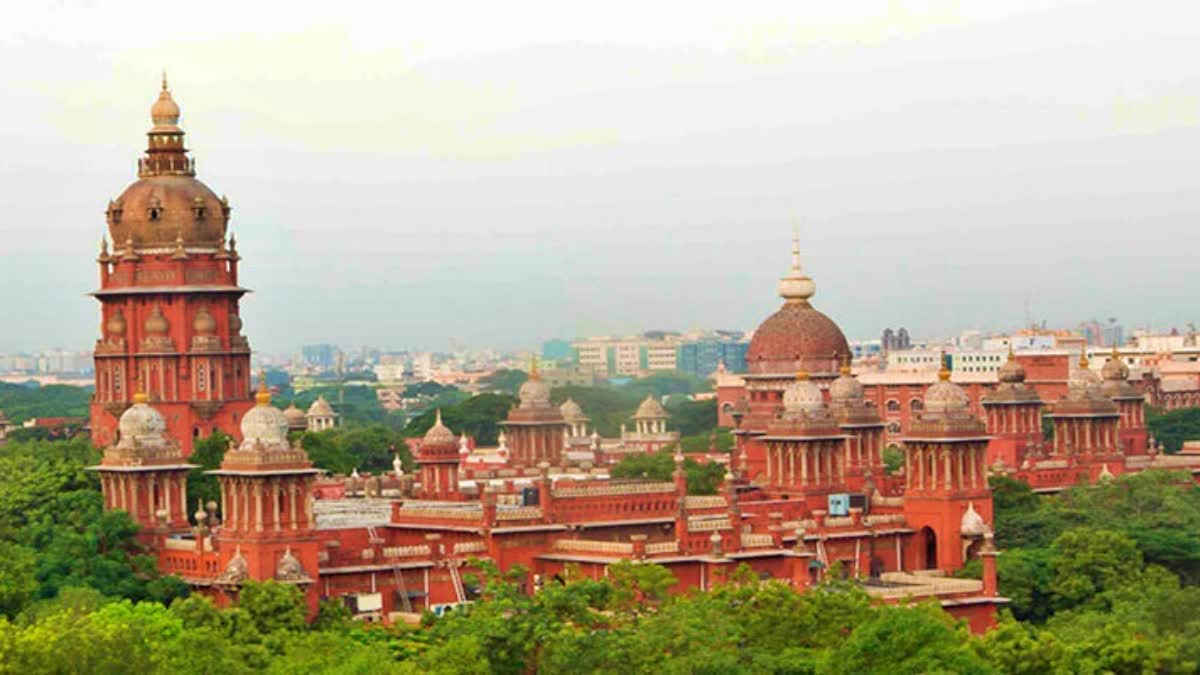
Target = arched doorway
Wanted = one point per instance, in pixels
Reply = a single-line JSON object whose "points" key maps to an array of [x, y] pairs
{"points": [[930, 548]]}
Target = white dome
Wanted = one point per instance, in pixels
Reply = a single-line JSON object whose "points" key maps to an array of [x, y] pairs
{"points": [[945, 396], [571, 411], [534, 393], [803, 395], [264, 422], [650, 409], [320, 408], [846, 388], [1083, 384], [141, 421], [972, 523]]}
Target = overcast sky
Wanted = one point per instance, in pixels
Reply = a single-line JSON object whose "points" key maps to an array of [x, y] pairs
{"points": [[498, 173]]}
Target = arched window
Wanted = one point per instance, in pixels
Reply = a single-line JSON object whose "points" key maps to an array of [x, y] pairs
{"points": [[916, 405], [893, 428], [893, 405]]}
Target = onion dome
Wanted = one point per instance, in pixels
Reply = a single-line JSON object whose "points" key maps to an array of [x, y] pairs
{"points": [[1116, 379], [571, 411], [204, 323], [320, 408], [167, 202], [295, 417], [235, 324], [797, 337], [803, 395], [846, 388], [1083, 383], [1115, 369], [945, 396], [972, 522], [1012, 389], [439, 435], [650, 409], [156, 324], [289, 568], [264, 423], [142, 423], [116, 324]]}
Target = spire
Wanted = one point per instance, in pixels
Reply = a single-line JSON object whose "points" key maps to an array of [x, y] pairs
{"points": [[263, 397], [1083, 359], [533, 370], [944, 372], [796, 286], [164, 81]]}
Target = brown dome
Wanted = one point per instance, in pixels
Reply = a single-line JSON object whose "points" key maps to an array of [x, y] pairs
{"points": [[156, 323], [157, 210], [167, 204], [116, 324], [797, 337], [204, 324]]}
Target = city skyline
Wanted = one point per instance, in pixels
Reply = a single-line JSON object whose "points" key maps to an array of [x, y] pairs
{"points": [[658, 194]]}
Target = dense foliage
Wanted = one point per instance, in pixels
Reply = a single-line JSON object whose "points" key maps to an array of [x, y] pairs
{"points": [[1173, 427], [24, 401], [702, 479]]}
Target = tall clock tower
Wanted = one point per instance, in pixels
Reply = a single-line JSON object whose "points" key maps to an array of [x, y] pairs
{"points": [[169, 294]]}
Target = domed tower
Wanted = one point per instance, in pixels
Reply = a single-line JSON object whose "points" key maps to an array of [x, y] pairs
{"points": [[650, 427], [945, 473], [795, 338], [805, 448], [320, 415], [169, 297], [861, 422], [535, 426], [1085, 423], [144, 474], [266, 504], [438, 456], [1130, 402], [1014, 415]]}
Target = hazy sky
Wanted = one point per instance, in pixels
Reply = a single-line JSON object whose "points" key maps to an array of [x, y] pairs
{"points": [[496, 173]]}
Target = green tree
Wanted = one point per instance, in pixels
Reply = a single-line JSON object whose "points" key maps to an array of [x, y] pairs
{"points": [[1089, 561], [271, 606], [895, 640]]}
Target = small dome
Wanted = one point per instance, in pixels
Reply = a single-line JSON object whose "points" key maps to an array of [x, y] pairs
{"points": [[1012, 371], [116, 324], [235, 324], [439, 435], [803, 395], [846, 388], [651, 409], [571, 411], [237, 569], [1115, 369], [945, 396], [289, 568], [264, 422], [165, 111], [1083, 383], [320, 408], [972, 522], [141, 420], [204, 324], [156, 323], [534, 393], [294, 415]]}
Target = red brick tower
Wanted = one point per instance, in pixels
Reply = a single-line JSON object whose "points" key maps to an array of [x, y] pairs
{"points": [[795, 338], [1131, 404], [1086, 426], [169, 298], [946, 498], [860, 421], [1014, 416], [535, 427], [805, 448], [267, 529], [144, 473], [438, 456]]}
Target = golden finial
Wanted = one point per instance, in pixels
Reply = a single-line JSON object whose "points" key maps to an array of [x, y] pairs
{"points": [[944, 373], [845, 369], [438, 421], [802, 375], [164, 79], [263, 397], [533, 371], [1083, 359], [139, 397]]}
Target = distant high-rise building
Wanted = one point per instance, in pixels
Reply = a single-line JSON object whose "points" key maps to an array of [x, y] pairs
{"points": [[701, 357], [320, 356], [556, 350], [895, 340]]}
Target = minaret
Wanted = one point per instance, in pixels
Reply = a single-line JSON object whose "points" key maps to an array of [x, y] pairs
{"points": [[946, 478], [1014, 416], [169, 295], [267, 529], [535, 426], [439, 459], [1130, 402], [1086, 423], [144, 473], [805, 448]]}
